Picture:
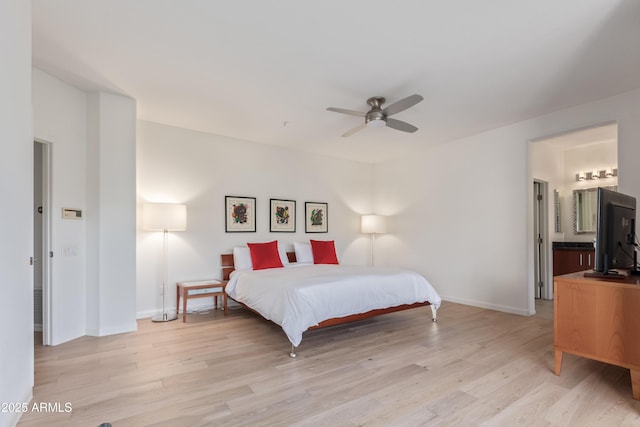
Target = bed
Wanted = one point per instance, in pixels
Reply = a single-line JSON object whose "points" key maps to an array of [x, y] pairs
{"points": [[304, 296]]}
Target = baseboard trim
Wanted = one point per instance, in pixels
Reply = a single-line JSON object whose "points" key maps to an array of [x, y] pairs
{"points": [[489, 306], [193, 306], [101, 332]]}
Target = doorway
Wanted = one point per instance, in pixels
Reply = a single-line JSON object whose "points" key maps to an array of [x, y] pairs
{"points": [[42, 240], [558, 161]]}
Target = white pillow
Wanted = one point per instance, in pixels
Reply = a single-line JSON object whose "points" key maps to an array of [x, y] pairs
{"points": [[242, 257], [303, 252], [283, 254]]}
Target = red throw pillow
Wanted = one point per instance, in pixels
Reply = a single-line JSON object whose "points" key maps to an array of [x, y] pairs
{"points": [[265, 255], [324, 252]]}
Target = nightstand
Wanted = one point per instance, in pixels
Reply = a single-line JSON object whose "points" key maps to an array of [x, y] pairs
{"points": [[200, 289]]}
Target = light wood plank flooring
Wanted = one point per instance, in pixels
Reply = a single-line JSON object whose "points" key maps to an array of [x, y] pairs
{"points": [[473, 367]]}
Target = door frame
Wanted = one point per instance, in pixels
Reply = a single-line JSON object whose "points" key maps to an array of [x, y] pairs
{"points": [[541, 231], [45, 256]]}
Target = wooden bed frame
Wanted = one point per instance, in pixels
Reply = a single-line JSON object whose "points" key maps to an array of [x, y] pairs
{"points": [[228, 267]]}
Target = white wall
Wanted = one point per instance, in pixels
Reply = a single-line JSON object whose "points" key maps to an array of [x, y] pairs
{"points": [[111, 214], [198, 169], [93, 169], [16, 217], [463, 210], [60, 119], [458, 212]]}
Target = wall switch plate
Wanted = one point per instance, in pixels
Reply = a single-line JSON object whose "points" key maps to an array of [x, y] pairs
{"points": [[70, 251]]}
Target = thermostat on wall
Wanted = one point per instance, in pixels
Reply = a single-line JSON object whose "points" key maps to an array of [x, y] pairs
{"points": [[69, 213]]}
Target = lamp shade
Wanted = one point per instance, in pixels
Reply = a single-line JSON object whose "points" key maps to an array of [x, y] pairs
{"points": [[164, 216], [373, 224]]}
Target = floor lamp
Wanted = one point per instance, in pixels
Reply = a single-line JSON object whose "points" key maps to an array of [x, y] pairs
{"points": [[164, 217], [373, 224]]}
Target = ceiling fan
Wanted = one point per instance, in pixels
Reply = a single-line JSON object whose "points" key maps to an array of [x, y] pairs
{"points": [[378, 116]]}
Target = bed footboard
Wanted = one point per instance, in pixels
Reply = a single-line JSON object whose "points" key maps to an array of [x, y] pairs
{"points": [[372, 313]]}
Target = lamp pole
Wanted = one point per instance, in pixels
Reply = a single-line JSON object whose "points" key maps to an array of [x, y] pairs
{"points": [[164, 217], [373, 224]]}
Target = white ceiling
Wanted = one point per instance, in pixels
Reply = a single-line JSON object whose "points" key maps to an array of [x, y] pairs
{"points": [[266, 71]]}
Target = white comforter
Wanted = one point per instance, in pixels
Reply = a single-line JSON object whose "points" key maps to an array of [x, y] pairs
{"points": [[298, 297]]}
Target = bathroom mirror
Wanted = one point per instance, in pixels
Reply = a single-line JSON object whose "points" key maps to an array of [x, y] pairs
{"points": [[585, 209]]}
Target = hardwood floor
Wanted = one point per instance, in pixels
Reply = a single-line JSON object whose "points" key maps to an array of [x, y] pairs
{"points": [[473, 367]]}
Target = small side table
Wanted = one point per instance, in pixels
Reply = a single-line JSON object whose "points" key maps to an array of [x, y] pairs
{"points": [[201, 289]]}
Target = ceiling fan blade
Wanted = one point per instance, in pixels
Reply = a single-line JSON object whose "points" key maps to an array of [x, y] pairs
{"points": [[354, 130], [400, 125], [402, 105], [350, 112]]}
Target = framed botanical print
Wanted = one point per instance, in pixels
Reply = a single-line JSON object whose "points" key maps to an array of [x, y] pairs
{"points": [[282, 215], [240, 214], [315, 217]]}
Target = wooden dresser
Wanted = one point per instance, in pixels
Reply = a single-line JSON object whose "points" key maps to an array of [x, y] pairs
{"points": [[598, 319]]}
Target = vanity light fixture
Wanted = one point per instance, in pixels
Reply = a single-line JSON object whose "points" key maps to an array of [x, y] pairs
{"points": [[597, 174]]}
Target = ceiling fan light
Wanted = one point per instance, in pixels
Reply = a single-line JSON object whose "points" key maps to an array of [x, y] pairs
{"points": [[377, 123]]}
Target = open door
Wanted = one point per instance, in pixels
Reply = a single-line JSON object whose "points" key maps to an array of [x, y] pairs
{"points": [[540, 231]]}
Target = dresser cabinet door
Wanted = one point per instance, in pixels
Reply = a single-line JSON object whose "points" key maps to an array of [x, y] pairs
{"points": [[570, 261]]}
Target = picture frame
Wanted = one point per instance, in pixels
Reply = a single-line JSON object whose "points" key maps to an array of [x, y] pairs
{"points": [[240, 214], [316, 217], [282, 216]]}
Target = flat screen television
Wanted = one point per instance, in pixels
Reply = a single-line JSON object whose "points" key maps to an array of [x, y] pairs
{"points": [[615, 233]]}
